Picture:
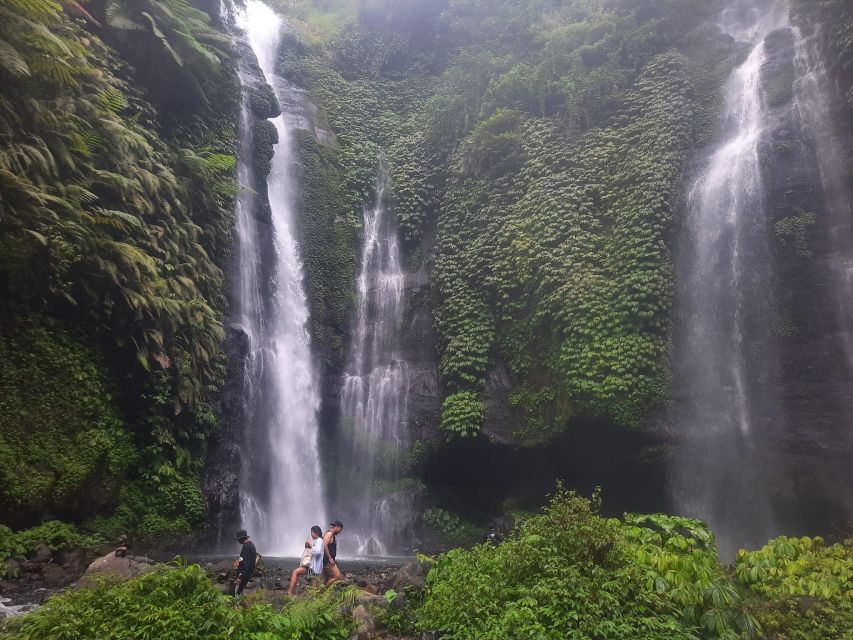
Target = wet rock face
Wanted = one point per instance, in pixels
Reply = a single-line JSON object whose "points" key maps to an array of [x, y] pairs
{"points": [[810, 448], [419, 342]]}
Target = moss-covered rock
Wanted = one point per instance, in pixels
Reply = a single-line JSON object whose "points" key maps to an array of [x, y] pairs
{"points": [[264, 137], [63, 446]]}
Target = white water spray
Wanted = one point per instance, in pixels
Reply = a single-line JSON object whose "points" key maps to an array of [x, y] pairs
{"points": [[725, 350], [375, 392], [281, 493]]}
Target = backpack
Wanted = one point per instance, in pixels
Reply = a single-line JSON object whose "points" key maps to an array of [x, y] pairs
{"points": [[260, 567]]}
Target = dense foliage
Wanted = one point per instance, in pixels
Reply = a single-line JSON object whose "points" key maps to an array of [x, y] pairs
{"points": [[543, 142], [802, 588], [570, 573], [177, 602], [114, 228]]}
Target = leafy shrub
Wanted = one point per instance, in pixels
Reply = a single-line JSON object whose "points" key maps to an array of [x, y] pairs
{"points": [[449, 527], [462, 414], [571, 573], [176, 602], [801, 589]]}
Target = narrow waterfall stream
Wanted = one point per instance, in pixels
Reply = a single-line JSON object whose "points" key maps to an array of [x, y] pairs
{"points": [[375, 392], [281, 493], [725, 353]]}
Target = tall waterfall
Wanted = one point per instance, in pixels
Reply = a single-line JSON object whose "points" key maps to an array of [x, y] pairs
{"points": [[375, 392], [725, 351], [281, 493]]}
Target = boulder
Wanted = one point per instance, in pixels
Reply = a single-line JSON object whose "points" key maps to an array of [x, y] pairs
{"points": [[411, 574], [74, 562], [55, 576], [7, 586], [123, 568], [370, 600], [41, 554], [365, 625]]}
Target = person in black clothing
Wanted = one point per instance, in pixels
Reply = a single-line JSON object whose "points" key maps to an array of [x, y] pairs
{"points": [[246, 562], [330, 568]]}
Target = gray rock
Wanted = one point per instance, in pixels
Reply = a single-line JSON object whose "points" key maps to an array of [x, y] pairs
{"points": [[410, 575], [371, 600], [55, 576], [41, 555], [364, 622], [123, 568], [74, 562]]}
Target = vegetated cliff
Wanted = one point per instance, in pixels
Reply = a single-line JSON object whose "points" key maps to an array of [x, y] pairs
{"points": [[537, 152], [116, 188], [536, 156]]}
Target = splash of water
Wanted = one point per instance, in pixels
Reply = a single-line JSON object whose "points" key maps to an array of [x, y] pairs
{"points": [[281, 494]]}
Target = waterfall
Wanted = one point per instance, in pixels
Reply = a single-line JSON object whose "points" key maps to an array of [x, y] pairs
{"points": [[281, 493], [726, 404], [375, 391]]}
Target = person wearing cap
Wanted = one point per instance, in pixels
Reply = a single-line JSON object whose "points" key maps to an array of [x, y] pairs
{"points": [[330, 569], [245, 563]]}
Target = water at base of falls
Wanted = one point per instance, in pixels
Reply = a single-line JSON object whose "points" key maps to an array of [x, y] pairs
{"points": [[725, 354], [374, 396], [281, 493]]}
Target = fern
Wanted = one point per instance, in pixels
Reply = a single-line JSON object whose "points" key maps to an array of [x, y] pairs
{"points": [[12, 61]]}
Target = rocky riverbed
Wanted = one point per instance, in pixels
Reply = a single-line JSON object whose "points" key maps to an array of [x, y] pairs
{"points": [[383, 582]]}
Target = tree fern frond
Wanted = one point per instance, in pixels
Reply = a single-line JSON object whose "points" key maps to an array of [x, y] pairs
{"points": [[35, 9], [12, 61], [81, 194], [112, 100], [155, 29], [113, 218], [202, 53], [119, 17], [56, 69]]}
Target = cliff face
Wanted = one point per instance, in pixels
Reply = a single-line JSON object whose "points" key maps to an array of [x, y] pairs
{"points": [[809, 206]]}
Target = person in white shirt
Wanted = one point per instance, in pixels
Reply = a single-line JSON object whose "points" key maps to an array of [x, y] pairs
{"points": [[311, 563]]}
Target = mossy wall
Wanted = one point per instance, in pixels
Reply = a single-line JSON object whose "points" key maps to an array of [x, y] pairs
{"points": [[536, 155]]}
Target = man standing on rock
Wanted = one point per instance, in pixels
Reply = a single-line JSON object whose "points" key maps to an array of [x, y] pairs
{"points": [[330, 570], [245, 563]]}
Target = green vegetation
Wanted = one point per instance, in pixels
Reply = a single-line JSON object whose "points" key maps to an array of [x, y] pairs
{"points": [[54, 534], [801, 588], [63, 447], [177, 602], [544, 143], [114, 227], [449, 528], [792, 231], [571, 573]]}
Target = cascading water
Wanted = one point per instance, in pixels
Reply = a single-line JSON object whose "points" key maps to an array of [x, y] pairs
{"points": [[725, 354], [375, 391], [281, 494]]}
